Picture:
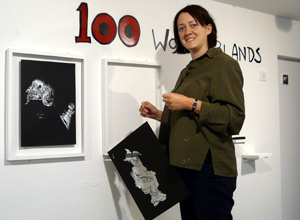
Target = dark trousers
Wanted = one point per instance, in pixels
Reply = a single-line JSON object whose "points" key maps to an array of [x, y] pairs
{"points": [[211, 195]]}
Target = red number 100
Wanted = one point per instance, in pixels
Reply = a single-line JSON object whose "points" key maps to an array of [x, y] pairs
{"points": [[104, 28]]}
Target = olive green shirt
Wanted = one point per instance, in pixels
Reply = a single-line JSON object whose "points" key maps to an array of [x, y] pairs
{"points": [[216, 79]]}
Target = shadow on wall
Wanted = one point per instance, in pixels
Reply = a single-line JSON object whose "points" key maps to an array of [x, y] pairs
{"points": [[122, 117], [172, 64], [251, 167], [247, 168], [42, 161], [127, 111], [283, 24], [125, 206]]}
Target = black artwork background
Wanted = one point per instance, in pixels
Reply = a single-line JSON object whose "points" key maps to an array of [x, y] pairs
{"points": [[50, 130], [154, 159]]}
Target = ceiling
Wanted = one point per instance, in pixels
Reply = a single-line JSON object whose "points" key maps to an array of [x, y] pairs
{"points": [[283, 8]]}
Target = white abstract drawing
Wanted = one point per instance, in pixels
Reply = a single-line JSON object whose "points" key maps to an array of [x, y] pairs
{"points": [[144, 179], [40, 91], [66, 116]]}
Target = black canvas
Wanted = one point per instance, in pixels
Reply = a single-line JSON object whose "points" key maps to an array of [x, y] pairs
{"points": [[47, 103], [144, 167]]}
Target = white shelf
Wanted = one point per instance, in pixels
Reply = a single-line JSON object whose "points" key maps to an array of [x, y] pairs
{"points": [[255, 156]]}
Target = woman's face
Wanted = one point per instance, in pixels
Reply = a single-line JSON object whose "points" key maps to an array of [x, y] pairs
{"points": [[193, 35]]}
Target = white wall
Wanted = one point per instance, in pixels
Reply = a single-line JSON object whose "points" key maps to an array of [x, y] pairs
{"points": [[90, 188], [287, 37]]}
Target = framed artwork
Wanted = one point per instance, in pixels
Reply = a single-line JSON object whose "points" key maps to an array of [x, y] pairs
{"points": [[144, 167], [125, 85], [44, 105]]}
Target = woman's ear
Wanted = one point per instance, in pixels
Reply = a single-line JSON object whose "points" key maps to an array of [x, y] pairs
{"points": [[209, 28]]}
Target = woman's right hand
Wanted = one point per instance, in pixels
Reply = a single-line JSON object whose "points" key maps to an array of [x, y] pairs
{"points": [[150, 111]]}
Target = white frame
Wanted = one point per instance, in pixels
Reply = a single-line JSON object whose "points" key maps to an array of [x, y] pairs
{"points": [[105, 102], [14, 151]]}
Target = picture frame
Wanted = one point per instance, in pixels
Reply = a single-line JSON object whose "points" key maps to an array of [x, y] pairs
{"points": [[125, 84], [15, 75]]}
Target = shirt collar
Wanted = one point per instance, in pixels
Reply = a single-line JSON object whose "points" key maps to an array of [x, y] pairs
{"points": [[211, 53]]}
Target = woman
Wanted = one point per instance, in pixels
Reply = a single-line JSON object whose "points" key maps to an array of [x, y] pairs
{"points": [[203, 111]]}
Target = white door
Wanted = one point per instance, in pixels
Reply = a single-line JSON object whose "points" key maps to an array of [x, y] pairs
{"points": [[289, 100]]}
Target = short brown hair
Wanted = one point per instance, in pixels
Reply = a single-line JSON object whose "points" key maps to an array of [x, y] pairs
{"points": [[203, 17]]}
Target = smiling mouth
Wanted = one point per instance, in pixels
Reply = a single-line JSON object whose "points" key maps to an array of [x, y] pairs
{"points": [[190, 39]]}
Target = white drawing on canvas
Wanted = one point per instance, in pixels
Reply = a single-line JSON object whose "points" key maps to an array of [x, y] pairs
{"points": [[66, 116], [144, 179], [40, 91]]}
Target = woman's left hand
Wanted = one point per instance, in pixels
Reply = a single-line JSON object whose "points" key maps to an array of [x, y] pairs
{"points": [[177, 102]]}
